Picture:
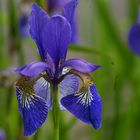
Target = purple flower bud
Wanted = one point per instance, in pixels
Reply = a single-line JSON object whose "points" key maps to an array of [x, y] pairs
{"points": [[134, 37], [2, 134]]}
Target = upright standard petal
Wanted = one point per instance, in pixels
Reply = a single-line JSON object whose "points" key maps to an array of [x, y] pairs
{"points": [[55, 37], [33, 69], [86, 105], [80, 65], [68, 13], [33, 108], [37, 21], [134, 38], [52, 34]]}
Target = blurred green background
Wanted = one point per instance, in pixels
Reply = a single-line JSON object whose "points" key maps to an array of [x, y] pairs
{"points": [[103, 27]]}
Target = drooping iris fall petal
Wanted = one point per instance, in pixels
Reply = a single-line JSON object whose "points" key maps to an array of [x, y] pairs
{"points": [[86, 106], [32, 107], [34, 111]]}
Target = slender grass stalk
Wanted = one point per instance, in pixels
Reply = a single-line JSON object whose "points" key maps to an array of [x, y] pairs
{"points": [[2, 63], [112, 29], [133, 10], [14, 33], [124, 56], [15, 46], [55, 112], [135, 110]]}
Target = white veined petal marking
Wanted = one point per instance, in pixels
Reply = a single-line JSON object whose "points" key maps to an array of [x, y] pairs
{"points": [[42, 89], [85, 97], [40, 86], [69, 85], [26, 100], [26, 94]]}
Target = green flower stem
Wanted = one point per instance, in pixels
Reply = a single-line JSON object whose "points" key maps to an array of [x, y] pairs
{"points": [[2, 62], [55, 112]]}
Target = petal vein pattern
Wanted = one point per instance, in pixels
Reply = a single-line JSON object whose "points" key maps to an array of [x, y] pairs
{"points": [[85, 98], [37, 20], [85, 105], [32, 107], [25, 100], [68, 86], [56, 36], [42, 89]]}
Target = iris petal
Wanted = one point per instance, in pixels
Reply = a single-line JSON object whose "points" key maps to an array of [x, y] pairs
{"points": [[55, 37], [68, 13], [32, 107], [42, 89], [50, 33], [53, 4], [37, 21], [80, 65], [134, 38], [33, 110], [68, 86], [32, 69], [86, 106]]}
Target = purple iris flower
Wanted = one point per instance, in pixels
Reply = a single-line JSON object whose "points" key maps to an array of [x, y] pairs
{"points": [[134, 37], [24, 26], [78, 93], [54, 4], [2, 135], [68, 10]]}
